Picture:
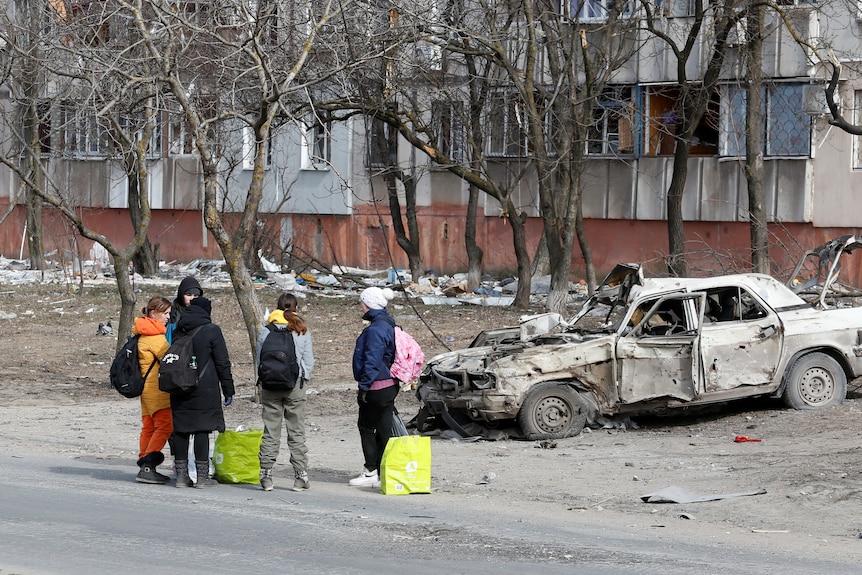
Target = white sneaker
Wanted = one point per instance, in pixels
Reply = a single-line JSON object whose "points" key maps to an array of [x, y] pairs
{"points": [[365, 479]]}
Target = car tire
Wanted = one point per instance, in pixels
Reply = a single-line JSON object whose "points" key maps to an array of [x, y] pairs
{"points": [[815, 381], [551, 411]]}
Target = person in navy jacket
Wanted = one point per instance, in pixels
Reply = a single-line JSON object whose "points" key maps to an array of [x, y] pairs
{"points": [[376, 388]]}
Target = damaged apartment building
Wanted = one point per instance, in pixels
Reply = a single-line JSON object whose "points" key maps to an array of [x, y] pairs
{"points": [[323, 171]]}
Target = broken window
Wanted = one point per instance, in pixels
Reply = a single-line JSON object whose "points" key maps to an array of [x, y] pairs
{"points": [[857, 140], [179, 137], [731, 304], [598, 10], [663, 120], [85, 23], [612, 126], [674, 8], [317, 144], [449, 126], [787, 129], [248, 149], [507, 125], [135, 124], [84, 133], [382, 144], [667, 318], [43, 114]]}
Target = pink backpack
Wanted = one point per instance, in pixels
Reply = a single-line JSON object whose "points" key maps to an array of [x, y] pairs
{"points": [[409, 357]]}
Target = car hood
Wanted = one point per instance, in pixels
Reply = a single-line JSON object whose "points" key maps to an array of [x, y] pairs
{"points": [[538, 361]]}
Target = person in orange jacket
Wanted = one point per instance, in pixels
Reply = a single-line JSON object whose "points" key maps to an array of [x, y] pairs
{"points": [[156, 418]]}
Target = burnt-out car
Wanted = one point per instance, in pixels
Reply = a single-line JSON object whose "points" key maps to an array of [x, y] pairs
{"points": [[652, 344]]}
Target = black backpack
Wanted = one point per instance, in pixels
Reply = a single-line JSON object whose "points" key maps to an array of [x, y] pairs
{"points": [[125, 375], [178, 368], [279, 368]]}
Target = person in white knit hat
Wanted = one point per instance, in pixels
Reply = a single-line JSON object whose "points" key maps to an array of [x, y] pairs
{"points": [[376, 388]]}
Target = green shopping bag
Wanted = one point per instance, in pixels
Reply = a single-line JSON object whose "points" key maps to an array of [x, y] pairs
{"points": [[406, 466], [235, 456]]}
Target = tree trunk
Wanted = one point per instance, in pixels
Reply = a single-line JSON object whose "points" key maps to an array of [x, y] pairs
{"points": [[754, 145], [128, 309], [586, 250], [233, 250], [474, 252], [541, 260], [676, 263], [35, 231], [410, 244], [145, 259], [519, 241]]}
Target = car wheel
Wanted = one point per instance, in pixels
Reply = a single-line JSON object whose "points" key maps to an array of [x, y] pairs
{"points": [[552, 411], [815, 381]]}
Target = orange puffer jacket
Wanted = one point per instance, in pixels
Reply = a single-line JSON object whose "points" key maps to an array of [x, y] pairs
{"points": [[152, 345]]}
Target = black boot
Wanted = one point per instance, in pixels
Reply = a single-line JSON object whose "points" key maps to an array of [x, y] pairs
{"points": [[204, 480], [148, 473], [183, 479]]}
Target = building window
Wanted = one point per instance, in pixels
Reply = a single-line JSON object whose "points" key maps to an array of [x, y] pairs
{"points": [[662, 121], [857, 140], [85, 134], [43, 117], [382, 144], [599, 10], [506, 126], [134, 125], [787, 129], [317, 144], [248, 149], [179, 137], [449, 127], [675, 8], [612, 127]]}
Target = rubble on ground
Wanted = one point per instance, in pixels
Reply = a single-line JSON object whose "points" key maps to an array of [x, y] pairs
{"points": [[432, 288]]}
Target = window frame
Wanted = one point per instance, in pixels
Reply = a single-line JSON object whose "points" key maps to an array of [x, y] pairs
{"points": [[505, 115], [84, 134], [450, 130], [316, 144], [248, 146], [588, 11], [733, 115], [856, 158], [613, 102]]}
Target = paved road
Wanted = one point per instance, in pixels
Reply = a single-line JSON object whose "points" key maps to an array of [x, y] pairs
{"points": [[87, 516]]}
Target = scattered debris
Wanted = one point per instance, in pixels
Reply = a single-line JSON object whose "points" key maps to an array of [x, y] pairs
{"points": [[487, 478], [674, 494], [745, 439]]}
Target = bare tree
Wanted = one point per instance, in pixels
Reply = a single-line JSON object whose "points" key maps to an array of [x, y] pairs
{"points": [[234, 71], [62, 86], [708, 29]]}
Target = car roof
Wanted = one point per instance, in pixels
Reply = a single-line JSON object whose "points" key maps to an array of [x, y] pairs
{"points": [[767, 287]]}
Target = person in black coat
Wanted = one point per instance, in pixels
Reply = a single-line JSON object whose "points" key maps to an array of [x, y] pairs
{"points": [[189, 289], [199, 412]]}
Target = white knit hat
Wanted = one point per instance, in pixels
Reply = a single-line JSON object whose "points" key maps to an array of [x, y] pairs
{"points": [[375, 297]]}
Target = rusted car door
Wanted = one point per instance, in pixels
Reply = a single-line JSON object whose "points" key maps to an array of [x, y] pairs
{"points": [[742, 346], [659, 356]]}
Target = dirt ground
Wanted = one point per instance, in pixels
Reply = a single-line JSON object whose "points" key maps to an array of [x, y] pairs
{"points": [[55, 398]]}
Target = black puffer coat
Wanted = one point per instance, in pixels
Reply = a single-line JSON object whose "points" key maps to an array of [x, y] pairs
{"points": [[201, 410]]}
